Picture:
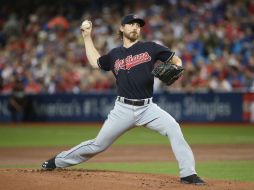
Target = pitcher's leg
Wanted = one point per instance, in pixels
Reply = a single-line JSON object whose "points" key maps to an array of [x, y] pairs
{"points": [[166, 125], [117, 123]]}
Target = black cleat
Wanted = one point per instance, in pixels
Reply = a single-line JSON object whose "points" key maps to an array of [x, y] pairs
{"points": [[192, 179], [49, 164]]}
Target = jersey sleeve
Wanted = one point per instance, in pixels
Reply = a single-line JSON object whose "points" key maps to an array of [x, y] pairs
{"points": [[162, 53], [104, 62]]}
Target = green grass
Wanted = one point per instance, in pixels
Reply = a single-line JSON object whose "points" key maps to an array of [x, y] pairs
{"points": [[72, 135], [49, 135], [228, 170]]}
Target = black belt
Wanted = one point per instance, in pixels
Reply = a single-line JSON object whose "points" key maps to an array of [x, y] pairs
{"points": [[133, 102]]}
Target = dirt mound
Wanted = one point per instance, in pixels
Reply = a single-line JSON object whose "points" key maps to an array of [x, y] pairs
{"points": [[66, 179], [73, 179]]}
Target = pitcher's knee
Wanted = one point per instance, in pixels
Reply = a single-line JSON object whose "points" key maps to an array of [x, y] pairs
{"points": [[174, 130], [99, 148], [91, 147], [169, 128]]}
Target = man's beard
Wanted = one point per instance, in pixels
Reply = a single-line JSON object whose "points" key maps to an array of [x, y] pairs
{"points": [[132, 36]]}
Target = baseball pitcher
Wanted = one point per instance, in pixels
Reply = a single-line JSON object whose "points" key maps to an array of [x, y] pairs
{"points": [[133, 67]]}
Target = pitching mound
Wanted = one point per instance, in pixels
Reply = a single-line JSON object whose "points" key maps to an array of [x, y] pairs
{"points": [[71, 179], [23, 179]]}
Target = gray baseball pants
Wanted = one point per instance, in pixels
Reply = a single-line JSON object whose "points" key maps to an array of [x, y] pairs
{"points": [[122, 118]]}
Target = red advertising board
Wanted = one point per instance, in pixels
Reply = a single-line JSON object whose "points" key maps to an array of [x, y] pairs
{"points": [[248, 107]]}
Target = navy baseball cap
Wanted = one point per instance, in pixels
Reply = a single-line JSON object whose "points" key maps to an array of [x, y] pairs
{"points": [[133, 18]]}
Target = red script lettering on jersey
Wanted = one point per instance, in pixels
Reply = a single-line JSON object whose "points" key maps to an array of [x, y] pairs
{"points": [[131, 61]]}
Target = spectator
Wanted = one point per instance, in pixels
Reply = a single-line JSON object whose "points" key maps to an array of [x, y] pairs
{"points": [[17, 102], [215, 40]]}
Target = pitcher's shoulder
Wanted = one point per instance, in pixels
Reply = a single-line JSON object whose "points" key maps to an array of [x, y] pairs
{"points": [[149, 43], [145, 42]]}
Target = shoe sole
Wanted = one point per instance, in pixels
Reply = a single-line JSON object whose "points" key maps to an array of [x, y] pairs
{"points": [[47, 169], [187, 182]]}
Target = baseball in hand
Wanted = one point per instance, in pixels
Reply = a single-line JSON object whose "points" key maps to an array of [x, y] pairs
{"points": [[85, 25]]}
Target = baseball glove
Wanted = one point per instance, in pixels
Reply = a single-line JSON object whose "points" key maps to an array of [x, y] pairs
{"points": [[168, 72]]}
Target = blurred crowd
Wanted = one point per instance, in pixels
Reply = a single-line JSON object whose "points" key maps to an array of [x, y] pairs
{"points": [[42, 46]]}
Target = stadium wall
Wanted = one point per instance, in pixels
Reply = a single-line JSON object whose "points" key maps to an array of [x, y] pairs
{"points": [[93, 107]]}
